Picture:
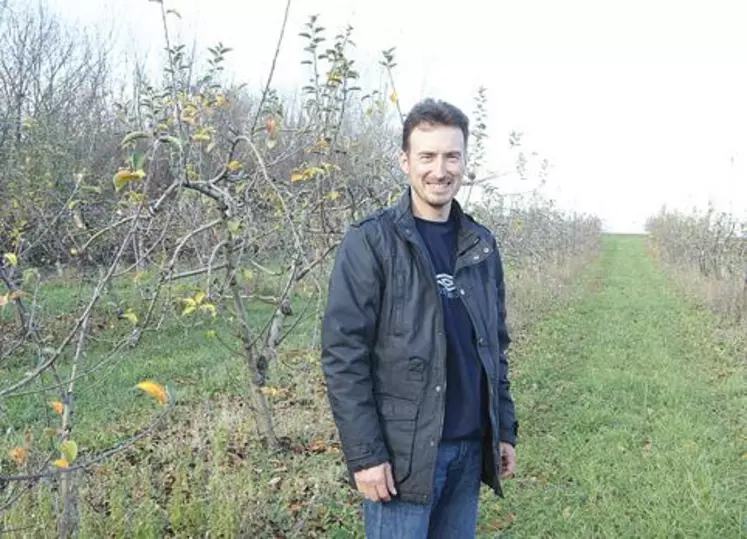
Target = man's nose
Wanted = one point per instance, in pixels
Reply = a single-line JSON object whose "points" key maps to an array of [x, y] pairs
{"points": [[439, 167]]}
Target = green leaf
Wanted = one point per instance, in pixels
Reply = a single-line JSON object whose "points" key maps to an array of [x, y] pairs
{"points": [[209, 307], [132, 137], [173, 141], [29, 274], [69, 450], [138, 160], [234, 225]]}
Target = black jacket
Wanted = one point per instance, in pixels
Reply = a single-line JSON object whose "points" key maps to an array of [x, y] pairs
{"points": [[384, 347]]}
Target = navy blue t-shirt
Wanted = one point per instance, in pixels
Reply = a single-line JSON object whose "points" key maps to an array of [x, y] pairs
{"points": [[464, 372]]}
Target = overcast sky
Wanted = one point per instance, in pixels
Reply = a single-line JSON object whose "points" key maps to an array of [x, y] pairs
{"points": [[635, 103]]}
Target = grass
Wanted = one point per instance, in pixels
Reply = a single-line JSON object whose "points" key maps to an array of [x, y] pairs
{"points": [[631, 401], [632, 409]]}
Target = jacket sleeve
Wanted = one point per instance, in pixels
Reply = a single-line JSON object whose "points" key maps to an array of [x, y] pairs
{"points": [[348, 333], [509, 424]]}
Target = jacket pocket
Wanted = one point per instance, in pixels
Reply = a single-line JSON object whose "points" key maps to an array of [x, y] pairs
{"points": [[399, 423]]}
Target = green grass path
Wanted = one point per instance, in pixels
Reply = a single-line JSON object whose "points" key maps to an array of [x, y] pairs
{"points": [[632, 409]]}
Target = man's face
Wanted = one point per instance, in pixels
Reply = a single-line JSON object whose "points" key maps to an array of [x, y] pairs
{"points": [[434, 164]]}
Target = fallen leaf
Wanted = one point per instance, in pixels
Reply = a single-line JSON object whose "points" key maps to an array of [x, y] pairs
{"points": [[317, 446], [275, 481], [61, 463], [17, 294], [155, 390], [19, 455], [130, 315], [11, 258]]}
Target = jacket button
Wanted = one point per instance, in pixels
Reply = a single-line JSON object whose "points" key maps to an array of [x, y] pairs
{"points": [[461, 291], [486, 250], [438, 389], [481, 341], [476, 257]]}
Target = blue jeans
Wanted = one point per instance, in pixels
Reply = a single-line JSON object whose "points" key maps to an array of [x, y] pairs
{"points": [[452, 513]]}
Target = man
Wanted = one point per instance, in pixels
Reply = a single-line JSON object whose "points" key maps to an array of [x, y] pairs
{"points": [[414, 346]]}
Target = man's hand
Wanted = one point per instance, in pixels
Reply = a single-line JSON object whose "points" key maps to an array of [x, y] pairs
{"points": [[376, 483], [508, 460]]}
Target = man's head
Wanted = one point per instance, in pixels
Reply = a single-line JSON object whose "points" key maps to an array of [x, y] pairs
{"points": [[434, 145]]}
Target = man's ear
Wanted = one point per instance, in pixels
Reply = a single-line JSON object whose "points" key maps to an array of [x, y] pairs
{"points": [[404, 163]]}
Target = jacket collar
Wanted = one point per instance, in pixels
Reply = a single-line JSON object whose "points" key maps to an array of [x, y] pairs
{"points": [[403, 213]]}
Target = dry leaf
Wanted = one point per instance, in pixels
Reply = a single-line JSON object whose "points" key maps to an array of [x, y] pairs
{"points": [[318, 446], [19, 455], [61, 463], [17, 294]]}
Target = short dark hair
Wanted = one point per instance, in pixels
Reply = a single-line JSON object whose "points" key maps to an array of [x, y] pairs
{"points": [[434, 112]]}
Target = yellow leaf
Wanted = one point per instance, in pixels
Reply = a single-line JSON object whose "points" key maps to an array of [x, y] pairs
{"points": [[199, 297], [270, 391], [124, 176], [394, 97], [247, 274], [211, 334], [234, 166], [73, 251], [19, 455], [296, 176], [201, 136], [61, 463], [11, 258], [57, 406], [333, 195], [190, 305], [130, 315], [69, 450], [155, 390]]}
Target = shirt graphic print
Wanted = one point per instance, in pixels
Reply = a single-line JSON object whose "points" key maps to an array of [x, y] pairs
{"points": [[446, 286]]}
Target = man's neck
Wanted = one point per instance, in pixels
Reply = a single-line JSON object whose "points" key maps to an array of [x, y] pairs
{"points": [[425, 211]]}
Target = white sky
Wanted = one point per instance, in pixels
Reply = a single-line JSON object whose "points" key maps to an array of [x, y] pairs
{"points": [[636, 103]]}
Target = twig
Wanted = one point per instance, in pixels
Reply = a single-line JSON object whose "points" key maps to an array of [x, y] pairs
{"points": [[86, 464], [272, 68]]}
